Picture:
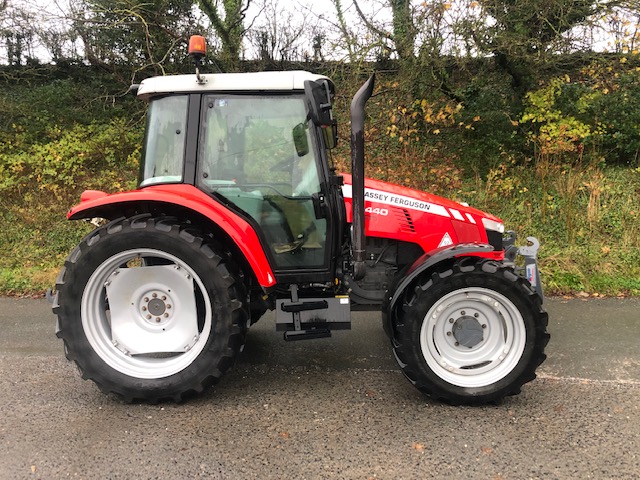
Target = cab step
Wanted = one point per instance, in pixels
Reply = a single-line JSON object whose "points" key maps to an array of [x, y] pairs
{"points": [[315, 333], [312, 317]]}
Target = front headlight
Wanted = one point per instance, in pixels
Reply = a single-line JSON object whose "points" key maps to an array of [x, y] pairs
{"points": [[493, 225]]}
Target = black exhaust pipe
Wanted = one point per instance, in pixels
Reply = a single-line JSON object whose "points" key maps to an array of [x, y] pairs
{"points": [[357, 173]]}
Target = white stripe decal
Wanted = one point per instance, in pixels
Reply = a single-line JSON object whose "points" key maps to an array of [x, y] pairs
{"points": [[401, 201], [456, 214], [470, 218]]}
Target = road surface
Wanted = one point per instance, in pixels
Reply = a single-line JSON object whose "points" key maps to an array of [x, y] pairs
{"points": [[328, 409]]}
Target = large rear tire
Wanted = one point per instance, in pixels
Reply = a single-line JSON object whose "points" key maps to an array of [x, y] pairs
{"points": [[470, 334], [150, 309]]}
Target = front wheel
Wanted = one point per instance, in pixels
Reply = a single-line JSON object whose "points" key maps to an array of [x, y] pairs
{"points": [[150, 309], [471, 334]]}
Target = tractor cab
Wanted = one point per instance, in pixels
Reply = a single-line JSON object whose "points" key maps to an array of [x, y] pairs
{"points": [[258, 144]]}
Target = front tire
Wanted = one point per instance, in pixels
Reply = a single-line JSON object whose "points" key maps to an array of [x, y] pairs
{"points": [[470, 334], [150, 309]]}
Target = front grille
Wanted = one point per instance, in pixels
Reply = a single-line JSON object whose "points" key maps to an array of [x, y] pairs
{"points": [[495, 239]]}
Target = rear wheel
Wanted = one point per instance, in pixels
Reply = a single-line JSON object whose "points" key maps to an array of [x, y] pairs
{"points": [[471, 334], [150, 309]]}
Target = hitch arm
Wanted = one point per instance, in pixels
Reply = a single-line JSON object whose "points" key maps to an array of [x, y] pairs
{"points": [[529, 252]]}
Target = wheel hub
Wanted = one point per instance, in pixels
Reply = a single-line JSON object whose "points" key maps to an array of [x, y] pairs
{"points": [[467, 331], [159, 316], [472, 337], [156, 307]]}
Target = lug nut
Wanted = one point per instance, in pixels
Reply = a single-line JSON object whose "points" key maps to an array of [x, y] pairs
{"points": [[166, 315], [164, 298], [155, 295], [148, 317], [448, 334], [144, 309], [158, 319], [146, 299], [484, 325], [476, 315], [451, 320]]}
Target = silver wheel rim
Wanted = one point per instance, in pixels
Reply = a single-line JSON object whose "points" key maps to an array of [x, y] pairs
{"points": [[487, 322], [116, 304]]}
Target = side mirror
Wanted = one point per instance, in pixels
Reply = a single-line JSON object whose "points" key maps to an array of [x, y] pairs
{"points": [[319, 100], [300, 139]]}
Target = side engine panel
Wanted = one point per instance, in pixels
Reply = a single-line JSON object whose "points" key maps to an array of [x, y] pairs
{"points": [[384, 259]]}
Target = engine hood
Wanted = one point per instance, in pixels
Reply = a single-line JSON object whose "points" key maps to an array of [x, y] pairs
{"points": [[398, 196]]}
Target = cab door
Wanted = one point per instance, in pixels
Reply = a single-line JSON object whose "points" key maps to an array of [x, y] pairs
{"points": [[260, 155]]}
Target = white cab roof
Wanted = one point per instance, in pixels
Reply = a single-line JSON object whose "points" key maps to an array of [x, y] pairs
{"points": [[240, 82]]}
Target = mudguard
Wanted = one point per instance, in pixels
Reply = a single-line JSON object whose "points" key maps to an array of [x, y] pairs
{"points": [[99, 204], [405, 278]]}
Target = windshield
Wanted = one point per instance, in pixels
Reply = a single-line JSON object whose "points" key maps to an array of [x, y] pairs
{"points": [[164, 146]]}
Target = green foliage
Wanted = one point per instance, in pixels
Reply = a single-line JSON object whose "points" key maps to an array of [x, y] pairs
{"points": [[615, 104], [227, 18], [58, 136], [35, 100], [137, 39], [34, 243], [39, 181], [94, 156], [524, 35], [555, 134], [593, 117], [490, 110], [553, 169], [586, 218], [531, 24]]}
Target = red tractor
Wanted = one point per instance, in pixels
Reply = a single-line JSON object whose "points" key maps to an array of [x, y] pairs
{"points": [[240, 211]]}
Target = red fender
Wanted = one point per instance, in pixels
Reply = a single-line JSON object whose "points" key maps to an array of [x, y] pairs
{"points": [[93, 203]]}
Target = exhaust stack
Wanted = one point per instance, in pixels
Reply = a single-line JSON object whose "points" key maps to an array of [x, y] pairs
{"points": [[357, 172]]}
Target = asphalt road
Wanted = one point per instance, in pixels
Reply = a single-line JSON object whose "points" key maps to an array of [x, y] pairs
{"points": [[328, 409]]}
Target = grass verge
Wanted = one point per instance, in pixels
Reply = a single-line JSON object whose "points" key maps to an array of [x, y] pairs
{"points": [[587, 220]]}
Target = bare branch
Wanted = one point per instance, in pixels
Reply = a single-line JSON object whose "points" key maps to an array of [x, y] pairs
{"points": [[370, 25]]}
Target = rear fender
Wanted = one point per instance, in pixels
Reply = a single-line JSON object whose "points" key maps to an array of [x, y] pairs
{"points": [[180, 198], [426, 262]]}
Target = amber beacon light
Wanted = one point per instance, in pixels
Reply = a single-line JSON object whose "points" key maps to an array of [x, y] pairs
{"points": [[197, 50], [197, 46]]}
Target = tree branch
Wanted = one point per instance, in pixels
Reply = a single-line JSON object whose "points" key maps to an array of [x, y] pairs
{"points": [[370, 25]]}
